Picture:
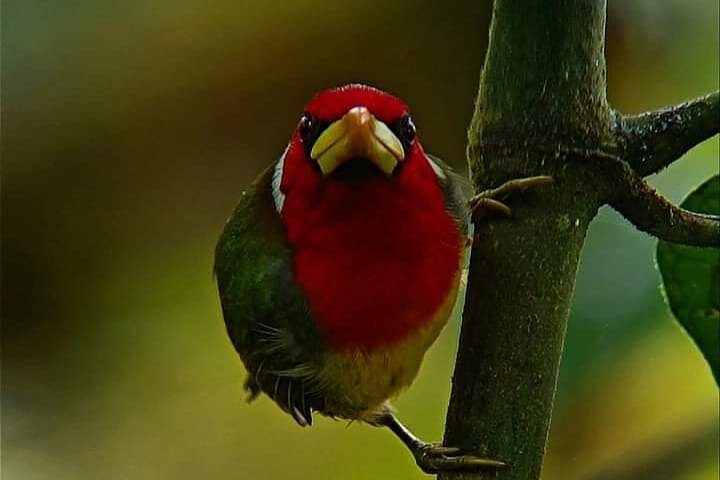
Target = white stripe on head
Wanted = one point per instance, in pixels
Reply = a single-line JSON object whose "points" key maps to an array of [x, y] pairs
{"points": [[278, 195], [439, 172]]}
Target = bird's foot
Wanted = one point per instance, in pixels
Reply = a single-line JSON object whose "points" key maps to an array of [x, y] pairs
{"points": [[434, 458], [490, 202]]}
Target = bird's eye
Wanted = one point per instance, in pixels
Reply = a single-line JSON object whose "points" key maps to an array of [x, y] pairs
{"points": [[309, 129], [404, 128], [407, 129], [306, 125]]}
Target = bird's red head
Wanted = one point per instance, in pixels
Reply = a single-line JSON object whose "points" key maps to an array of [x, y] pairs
{"points": [[350, 134], [359, 125]]}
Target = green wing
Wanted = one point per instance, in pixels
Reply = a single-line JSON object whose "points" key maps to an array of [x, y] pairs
{"points": [[457, 190], [266, 314]]}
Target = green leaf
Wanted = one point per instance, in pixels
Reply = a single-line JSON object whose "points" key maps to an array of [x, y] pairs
{"points": [[691, 279]]}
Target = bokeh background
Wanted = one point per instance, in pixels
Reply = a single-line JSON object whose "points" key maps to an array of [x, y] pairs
{"points": [[129, 130]]}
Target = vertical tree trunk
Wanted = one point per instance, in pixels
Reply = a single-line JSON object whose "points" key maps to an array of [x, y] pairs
{"points": [[542, 95]]}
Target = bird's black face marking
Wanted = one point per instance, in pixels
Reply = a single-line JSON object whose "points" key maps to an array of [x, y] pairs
{"points": [[404, 128], [357, 170], [310, 128]]}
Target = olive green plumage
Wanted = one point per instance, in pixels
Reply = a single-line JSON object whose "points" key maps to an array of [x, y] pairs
{"points": [[266, 316], [456, 192]]}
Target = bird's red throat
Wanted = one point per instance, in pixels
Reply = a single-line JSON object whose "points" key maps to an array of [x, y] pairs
{"points": [[376, 258]]}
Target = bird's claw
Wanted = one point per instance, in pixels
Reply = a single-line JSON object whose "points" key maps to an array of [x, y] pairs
{"points": [[490, 201], [433, 458]]}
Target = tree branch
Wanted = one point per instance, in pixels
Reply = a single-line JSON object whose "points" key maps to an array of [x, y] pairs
{"points": [[541, 106], [652, 213], [645, 208], [543, 85], [654, 140]]}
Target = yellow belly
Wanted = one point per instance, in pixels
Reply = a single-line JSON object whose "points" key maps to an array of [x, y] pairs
{"points": [[358, 384]]}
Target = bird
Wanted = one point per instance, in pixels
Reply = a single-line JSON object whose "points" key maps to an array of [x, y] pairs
{"points": [[342, 262]]}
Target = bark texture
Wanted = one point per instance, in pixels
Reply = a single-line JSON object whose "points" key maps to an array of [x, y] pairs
{"points": [[542, 110]]}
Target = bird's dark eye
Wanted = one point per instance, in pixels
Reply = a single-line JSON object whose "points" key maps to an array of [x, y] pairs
{"points": [[309, 129], [406, 129], [306, 125]]}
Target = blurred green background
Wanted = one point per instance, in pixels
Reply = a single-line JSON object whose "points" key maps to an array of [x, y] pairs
{"points": [[130, 129]]}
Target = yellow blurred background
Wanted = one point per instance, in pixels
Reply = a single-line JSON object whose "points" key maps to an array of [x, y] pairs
{"points": [[130, 129]]}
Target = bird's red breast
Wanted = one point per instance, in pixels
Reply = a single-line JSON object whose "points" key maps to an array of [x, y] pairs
{"points": [[376, 256]]}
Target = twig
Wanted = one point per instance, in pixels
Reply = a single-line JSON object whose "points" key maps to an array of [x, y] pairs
{"points": [[654, 140], [645, 208], [652, 213]]}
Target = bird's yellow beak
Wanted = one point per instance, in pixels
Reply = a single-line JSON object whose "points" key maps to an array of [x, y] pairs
{"points": [[358, 134]]}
